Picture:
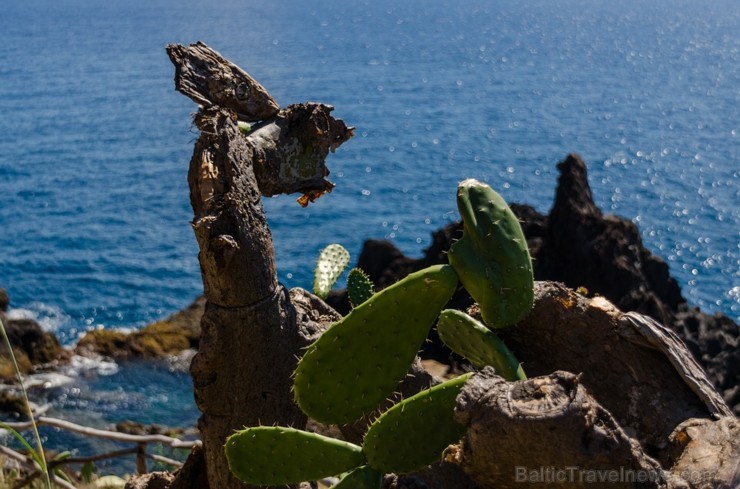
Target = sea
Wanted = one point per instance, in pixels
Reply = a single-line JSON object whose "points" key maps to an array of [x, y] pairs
{"points": [[95, 215]]}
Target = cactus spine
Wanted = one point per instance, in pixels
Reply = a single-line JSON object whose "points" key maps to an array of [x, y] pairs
{"points": [[331, 263], [492, 258], [359, 360], [414, 433], [273, 455], [359, 287], [472, 340]]}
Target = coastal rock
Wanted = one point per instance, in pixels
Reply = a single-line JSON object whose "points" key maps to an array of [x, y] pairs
{"points": [[172, 335], [34, 349], [4, 300], [153, 480], [13, 404], [140, 429], [584, 248]]}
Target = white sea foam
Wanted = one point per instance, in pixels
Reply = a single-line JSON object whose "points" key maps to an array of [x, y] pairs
{"points": [[50, 317], [77, 367], [99, 365], [46, 380]]}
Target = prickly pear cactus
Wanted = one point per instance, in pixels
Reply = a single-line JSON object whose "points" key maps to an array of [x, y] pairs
{"points": [[331, 263], [359, 287], [274, 455], [359, 360], [364, 477], [492, 258], [414, 433], [469, 338]]}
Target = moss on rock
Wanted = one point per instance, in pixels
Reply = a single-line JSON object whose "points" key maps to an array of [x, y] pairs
{"points": [[170, 336]]}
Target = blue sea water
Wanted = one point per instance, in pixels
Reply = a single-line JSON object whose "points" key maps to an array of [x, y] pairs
{"points": [[94, 221]]}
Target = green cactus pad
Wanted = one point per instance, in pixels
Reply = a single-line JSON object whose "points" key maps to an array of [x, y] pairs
{"points": [[414, 433], [492, 258], [359, 287], [331, 263], [273, 455], [358, 361], [361, 478], [469, 338]]}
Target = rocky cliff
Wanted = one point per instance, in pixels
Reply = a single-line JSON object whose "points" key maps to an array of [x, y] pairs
{"points": [[597, 253]]}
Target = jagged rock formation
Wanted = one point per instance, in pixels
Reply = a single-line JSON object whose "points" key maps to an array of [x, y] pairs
{"points": [[580, 246]]}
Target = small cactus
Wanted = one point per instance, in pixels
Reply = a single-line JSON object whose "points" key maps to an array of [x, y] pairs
{"points": [[492, 258], [274, 455], [414, 433], [364, 477], [359, 287], [472, 340], [331, 263], [244, 127], [359, 360]]}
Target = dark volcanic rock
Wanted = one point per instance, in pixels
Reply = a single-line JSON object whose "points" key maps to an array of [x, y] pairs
{"points": [[580, 246], [4, 300], [604, 253], [33, 348], [13, 404], [715, 342]]}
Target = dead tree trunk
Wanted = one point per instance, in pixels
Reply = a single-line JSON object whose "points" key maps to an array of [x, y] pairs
{"points": [[251, 332], [634, 399]]}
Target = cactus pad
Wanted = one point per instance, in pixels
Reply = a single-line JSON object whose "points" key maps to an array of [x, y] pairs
{"points": [[359, 360], [469, 338], [492, 258], [359, 287], [361, 478], [331, 263], [273, 455], [414, 433]]}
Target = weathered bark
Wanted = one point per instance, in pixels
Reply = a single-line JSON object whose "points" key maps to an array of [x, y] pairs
{"points": [[291, 149], [249, 340], [550, 431], [706, 453], [251, 332], [634, 396], [638, 373], [554, 421], [290, 145], [209, 79]]}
